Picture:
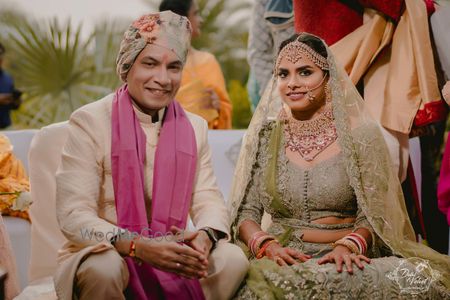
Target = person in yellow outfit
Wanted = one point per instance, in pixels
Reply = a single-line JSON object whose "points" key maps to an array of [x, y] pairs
{"points": [[8, 264], [14, 201], [202, 89], [14, 184]]}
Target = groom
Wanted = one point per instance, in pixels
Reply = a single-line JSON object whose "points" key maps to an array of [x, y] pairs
{"points": [[135, 166]]}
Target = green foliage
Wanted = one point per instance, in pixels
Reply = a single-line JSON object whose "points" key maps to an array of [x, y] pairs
{"points": [[57, 70], [241, 106]]}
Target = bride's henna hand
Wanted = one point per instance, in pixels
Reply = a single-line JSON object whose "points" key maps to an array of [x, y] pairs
{"points": [[285, 256], [342, 255]]}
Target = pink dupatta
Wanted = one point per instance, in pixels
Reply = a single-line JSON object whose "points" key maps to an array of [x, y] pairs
{"points": [[444, 184], [173, 180]]}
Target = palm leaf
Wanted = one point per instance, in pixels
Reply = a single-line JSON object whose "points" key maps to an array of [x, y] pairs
{"points": [[58, 71]]}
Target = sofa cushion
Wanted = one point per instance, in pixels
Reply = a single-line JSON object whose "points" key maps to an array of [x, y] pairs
{"points": [[46, 238]]}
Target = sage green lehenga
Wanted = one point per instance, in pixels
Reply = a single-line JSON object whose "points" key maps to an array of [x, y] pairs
{"points": [[301, 196], [358, 182]]}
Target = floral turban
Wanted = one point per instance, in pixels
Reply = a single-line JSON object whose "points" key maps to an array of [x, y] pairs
{"points": [[165, 29]]}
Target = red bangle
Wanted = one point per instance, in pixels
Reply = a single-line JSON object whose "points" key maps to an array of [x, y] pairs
{"points": [[355, 241], [132, 251], [262, 252], [260, 241]]}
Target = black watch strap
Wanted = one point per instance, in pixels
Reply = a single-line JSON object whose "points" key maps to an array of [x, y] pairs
{"points": [[212, 235]]}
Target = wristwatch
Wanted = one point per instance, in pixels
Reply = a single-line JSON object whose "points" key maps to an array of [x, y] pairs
{"points": [[212, 235]]}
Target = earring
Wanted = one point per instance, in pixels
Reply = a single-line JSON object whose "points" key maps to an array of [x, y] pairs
{"points": [[311, 97], [327, 93]]}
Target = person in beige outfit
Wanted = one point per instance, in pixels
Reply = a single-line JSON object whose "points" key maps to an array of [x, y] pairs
{"points": [[134, 166]]}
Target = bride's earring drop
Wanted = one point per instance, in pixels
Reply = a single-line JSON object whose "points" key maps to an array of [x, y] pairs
{"points": [[327, 93], [310, 95]]}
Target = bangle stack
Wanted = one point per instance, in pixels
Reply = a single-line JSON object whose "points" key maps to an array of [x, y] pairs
{"points": [[262, 251], [355, 242], [259, 242], [360, 242]]}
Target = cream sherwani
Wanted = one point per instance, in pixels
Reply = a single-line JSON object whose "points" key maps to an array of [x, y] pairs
{"points": [[85, 203]]}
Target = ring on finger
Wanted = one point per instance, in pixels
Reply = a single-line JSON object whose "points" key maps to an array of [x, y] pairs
{"points": [[178, 265]]}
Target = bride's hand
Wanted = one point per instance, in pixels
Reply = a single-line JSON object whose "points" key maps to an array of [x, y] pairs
{"points": [[285, 256], [342, 255]]}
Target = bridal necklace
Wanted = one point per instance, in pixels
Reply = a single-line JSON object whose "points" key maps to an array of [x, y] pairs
{"points": [[309, 138]]}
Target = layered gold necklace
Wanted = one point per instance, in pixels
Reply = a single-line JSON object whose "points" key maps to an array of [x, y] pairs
{"points": [[309, 138]]}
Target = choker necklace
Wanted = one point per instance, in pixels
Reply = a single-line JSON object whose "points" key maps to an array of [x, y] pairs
{"points": [[309, 138]]}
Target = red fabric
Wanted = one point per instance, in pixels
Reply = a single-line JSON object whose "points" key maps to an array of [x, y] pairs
{"points": [[430, 7], [432, 112], [329, 19], [333, 19], [391, 8]]}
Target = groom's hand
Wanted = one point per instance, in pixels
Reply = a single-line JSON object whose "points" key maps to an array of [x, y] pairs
{"points": [[197, 240]]}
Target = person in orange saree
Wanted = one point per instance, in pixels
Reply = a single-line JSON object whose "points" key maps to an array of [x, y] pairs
{"points": [[14, 184], [8, 263], [14, 201], [202, 91]]}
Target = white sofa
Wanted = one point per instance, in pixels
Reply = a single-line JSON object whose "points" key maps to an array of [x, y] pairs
{"points": [[36, 246]]}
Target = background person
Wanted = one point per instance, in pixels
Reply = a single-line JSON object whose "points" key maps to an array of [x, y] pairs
{"points": [[9, 96], [203, 90]]}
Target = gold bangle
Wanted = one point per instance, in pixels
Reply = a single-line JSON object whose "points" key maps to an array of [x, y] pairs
{"points": [[349, 244]]}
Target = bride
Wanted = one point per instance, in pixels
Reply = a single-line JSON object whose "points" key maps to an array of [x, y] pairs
{"points": [[318, 165]]}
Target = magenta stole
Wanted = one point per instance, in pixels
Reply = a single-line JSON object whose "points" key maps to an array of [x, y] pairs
{"points": [[173, 180], [443, 190]]}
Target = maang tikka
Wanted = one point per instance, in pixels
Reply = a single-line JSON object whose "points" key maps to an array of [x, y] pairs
{"points": [[296, 50]]}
